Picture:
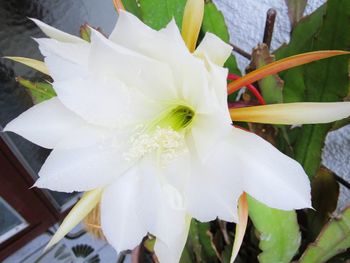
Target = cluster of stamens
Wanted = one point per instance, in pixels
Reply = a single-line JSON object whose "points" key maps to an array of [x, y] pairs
{"points": [[166, 143]]}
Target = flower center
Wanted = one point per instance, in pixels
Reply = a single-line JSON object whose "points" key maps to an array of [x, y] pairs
{"points": [[164, 136], [177, 118]]}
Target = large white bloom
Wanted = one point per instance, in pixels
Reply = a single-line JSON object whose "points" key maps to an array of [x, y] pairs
{"points": [[140, 116]]}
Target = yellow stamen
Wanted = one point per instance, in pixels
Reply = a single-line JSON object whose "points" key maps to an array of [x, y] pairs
{"points": [[293, 113], [192, 22]]}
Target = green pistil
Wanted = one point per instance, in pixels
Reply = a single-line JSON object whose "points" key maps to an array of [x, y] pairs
{"points": [[178, 118]]}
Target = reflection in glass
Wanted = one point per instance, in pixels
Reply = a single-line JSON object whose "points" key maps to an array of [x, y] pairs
{"points": [[16, 33], [11, 222]]}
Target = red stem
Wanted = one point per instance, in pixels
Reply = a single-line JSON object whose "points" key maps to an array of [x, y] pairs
{"points": [[250, 87]]}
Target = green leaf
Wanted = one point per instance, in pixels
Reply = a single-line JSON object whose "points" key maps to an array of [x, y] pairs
{"points": [[301, 42], [158, 13], [132, 7], [214, 22], [321, 81], [85, 32], [40, 91], [271, 86], [324, 204], [199, 240], [278, 232], [334, 239], [341, 123], [186, 256]]}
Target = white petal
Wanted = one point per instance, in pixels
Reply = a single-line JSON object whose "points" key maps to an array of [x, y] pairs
{"points": [[171, 252], [172, 32], [64, 60], [270, 176], [214, 186], [177, 171], [214, 48], [120, 222], [75, 52], [154, 206], [207, 130], [160, 205], [194, 88], [46, 123], [83, 169], [218, 83], [55, 33], [293, 113], [98, 101], [167, 46], [106, 101], [134, 34], [129, 27], [86, 135], [151, 77]]}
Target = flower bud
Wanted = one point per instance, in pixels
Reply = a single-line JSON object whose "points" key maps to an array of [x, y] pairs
{"points": [[192, 21]]}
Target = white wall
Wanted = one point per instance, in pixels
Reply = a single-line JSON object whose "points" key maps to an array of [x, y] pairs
{"points": [[246, 22]]}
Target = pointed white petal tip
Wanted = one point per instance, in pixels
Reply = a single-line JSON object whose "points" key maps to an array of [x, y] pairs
{"points": [[88, 202], [56, 33], [213, 48], [33, 63]]}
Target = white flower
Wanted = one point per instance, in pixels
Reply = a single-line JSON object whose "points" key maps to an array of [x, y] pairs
{"points": [[147, 121]]}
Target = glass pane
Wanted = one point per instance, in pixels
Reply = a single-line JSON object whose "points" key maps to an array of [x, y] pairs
{"points": [[16, 32], [10, 221]]}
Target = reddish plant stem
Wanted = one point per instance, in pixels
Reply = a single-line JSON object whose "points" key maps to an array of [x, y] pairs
{"points": [[250, 87]]}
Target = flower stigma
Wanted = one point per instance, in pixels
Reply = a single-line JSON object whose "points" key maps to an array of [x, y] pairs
{"points": [[164, 136]]}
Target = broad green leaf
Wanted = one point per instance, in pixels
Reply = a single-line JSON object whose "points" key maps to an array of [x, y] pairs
{"points": [[340, 124], [333, 239], [214, 22], [278, 232], [231, 64], [199, 242], [301, 41], [295, 10], [132, 7], [40, 91], [158, 13], [272, 85], [322, 81], [279, 248], [325, 192], [282, 65], [186, 256]]}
